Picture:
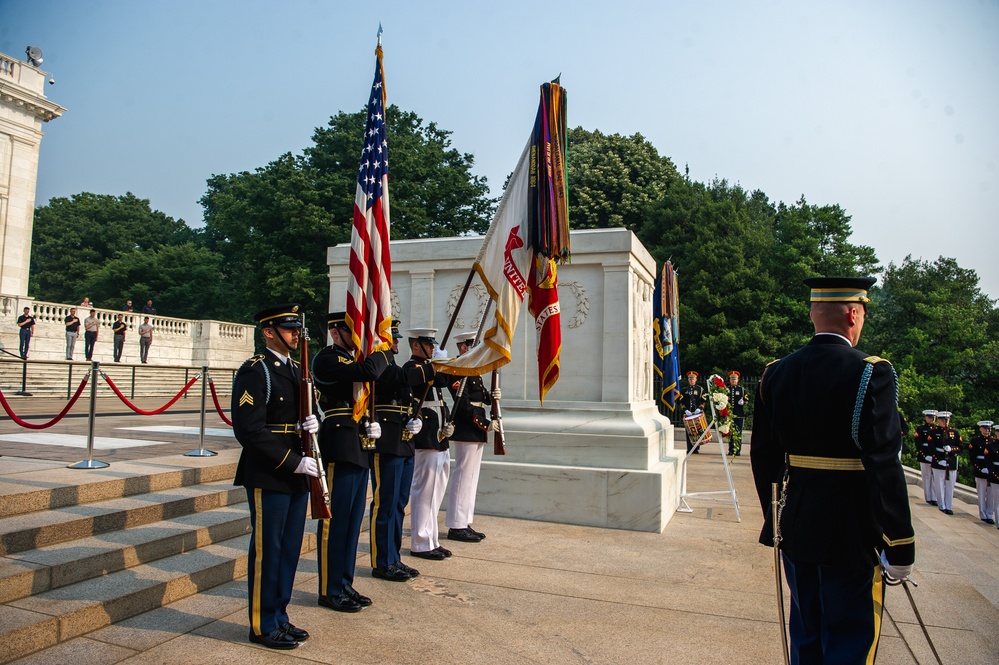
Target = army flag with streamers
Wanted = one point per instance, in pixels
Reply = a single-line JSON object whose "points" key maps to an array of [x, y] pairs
{"points": [[369, 278], [665, 336]]}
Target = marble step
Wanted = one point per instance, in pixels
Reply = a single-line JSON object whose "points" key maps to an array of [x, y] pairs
{"points": [[56, 488], [28, 531], [46, 568]]}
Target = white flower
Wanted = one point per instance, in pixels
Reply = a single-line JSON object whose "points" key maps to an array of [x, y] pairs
{"points": [[724, 429], [720, 400]]}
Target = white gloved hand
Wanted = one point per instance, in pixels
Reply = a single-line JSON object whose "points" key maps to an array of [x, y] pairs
{"points": [[929, 458], [697, 411], [311, 424], [439, 353], [373, 429], [742, 402], [496, 394], [900, 573], [687, 412], [414, 426], [494, 425], [943, 463], [947, 449], [308, 466], [448, 429]]}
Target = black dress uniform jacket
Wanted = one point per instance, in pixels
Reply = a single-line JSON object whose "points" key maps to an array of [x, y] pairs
{"points": [[976, 451], [469, 412], [846, 491], [428, 439], [924, 443], [992, 459], [394, 406], [269, 459], [334, 373], [941, 437], [692, 397], [737, 394]]}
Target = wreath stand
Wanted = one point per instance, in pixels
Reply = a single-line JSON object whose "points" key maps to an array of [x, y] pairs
{"points": [[730, 494]]}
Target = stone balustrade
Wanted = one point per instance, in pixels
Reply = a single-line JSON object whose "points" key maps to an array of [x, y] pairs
{"points": [[175, 341]]}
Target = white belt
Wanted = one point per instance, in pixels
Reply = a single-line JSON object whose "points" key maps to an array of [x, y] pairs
{"points": [[480, 405], [430, 405]]}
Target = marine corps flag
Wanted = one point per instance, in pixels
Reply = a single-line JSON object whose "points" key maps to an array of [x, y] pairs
{"points": [[528, 235], [369, 279]]}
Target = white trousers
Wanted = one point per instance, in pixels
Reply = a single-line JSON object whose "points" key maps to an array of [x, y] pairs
{"points": [[985, 511], [992, 504], [927, 472], [464, 483], [430, 472], [945, 488]]}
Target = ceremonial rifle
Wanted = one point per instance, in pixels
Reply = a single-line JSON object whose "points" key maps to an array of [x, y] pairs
{"points": [[319, 492], [499, 437]]}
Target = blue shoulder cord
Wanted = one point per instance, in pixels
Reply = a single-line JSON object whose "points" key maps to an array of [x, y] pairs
{"points": [[865, 379], [267, 378]]}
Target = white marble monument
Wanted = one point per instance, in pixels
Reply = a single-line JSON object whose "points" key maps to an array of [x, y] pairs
{"points": [[597, 452]]}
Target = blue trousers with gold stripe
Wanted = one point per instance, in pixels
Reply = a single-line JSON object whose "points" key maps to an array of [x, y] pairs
{"points": [[835, 612], [337, 536], [391, 478], [277, 523]]}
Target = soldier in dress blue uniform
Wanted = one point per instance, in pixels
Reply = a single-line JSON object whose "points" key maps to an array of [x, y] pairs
{"points": [[334, 372], [827, 429], [737, 406], [947, 444], [432, 464], [693, 399], [471, 425], [392, 461], [265, 420], [924, 450], [977, 449]]}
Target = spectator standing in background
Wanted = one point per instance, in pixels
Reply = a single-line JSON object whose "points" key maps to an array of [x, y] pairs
{"points": [[127, 307], [145, 339], [118, 327], [90, 330], [148, 308], [26, 325], [86, 304], [72, 332]]}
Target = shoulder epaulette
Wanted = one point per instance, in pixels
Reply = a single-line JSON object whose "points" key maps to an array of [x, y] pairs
{"points": [[876, 359], [250, 362]]}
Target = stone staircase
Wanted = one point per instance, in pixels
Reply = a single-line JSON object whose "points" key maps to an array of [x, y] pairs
{"points": [[81, 551]]}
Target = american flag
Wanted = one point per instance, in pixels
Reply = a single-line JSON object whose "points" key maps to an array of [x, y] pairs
{"points": [[369, 283]]}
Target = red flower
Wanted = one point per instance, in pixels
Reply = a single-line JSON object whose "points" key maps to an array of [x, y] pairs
{"points": [[719, 383], [723, 413]]}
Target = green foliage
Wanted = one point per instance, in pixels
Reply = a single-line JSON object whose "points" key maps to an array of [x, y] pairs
{"points": [[75, 238]]}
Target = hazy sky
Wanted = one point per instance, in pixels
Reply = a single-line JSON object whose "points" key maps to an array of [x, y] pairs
{"points": [[890, 109]]}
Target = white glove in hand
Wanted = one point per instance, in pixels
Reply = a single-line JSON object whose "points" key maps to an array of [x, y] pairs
{"points": [[414, 426], [494, 425], [929, 458], [686, 412], [448, 429], [311, 424], [308, 466], [496, 394], [947, 449], [897, 572], [440, 354], [697, 411], [374, 430]]}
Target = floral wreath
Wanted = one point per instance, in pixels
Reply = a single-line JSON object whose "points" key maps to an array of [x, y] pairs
{"points": [[718, 394]]}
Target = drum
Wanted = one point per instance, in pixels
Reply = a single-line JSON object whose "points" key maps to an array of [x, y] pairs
{"points": [[696, 425]]}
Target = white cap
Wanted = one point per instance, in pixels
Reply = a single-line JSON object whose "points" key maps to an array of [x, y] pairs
{"points": [[423, 334], [930, 412], [985, 423], [943, 414], [467, 336]]}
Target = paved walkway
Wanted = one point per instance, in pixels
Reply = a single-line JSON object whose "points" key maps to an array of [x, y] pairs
{"points": [[533, 592]]}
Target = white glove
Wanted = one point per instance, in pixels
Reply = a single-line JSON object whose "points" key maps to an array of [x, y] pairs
{"points": [[311, 424], [687, 412], [494, 425], [448, 429], [439, 353], [929, 458], [308, 466], [496, 394], [742, 402], [943, 463], [900, 573], [414, 426], [373, 430], [947, 449], [697, 411]]}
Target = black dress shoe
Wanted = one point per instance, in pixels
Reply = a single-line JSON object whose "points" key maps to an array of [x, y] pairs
{"points": [[989, 520], [277, 639], [392, 573], [363, 601], [412, 572], [481, 535], [295, 632], [432, 555], [949, 512], [932, 503], [464, 535], [445, 551], [340, 603]]}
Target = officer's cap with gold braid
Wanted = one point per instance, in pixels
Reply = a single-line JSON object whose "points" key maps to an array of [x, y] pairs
{"points": [[337, 320], [395, 329], [840, 289], [286, 315]]}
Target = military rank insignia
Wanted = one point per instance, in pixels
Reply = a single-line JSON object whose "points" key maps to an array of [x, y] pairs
{"points": [[246, 398]]}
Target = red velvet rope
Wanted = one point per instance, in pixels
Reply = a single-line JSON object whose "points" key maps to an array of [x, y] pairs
{"points": [[218, 407], [69, 405], [148, 413]]}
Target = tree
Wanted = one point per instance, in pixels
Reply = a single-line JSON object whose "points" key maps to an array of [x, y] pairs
{"points": [[613, 179], [72, 238], [272, 226]]}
